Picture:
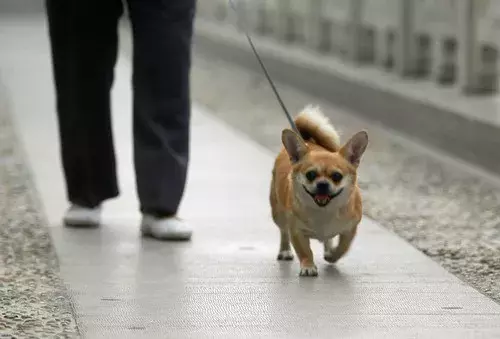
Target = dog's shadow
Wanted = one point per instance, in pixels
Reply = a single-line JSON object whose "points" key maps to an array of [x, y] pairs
{"points": [[286, 269], [330, 272], [333, 273]]}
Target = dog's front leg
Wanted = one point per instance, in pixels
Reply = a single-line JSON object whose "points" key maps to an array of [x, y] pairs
{"points": [[302, 247]]}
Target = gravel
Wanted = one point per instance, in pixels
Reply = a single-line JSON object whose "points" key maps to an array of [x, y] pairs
{"points": [[34, 302]]}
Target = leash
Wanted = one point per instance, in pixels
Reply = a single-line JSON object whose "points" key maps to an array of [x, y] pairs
{"points": [[266, 73]]}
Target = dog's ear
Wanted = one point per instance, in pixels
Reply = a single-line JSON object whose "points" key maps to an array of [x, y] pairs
{"points": [[355, 147], [294, 145]]}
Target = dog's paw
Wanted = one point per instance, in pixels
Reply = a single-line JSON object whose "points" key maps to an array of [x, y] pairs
{"points": [[331, 257], [308, 271], [285, 255]]}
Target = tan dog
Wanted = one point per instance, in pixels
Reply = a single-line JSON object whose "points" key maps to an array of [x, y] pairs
{"points": [[314, 192]]}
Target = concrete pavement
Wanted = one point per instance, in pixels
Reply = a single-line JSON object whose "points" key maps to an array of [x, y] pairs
{"points": [[226, 282]]}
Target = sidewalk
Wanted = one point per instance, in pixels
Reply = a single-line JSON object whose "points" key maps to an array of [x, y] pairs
{"points": [[226, 282]]}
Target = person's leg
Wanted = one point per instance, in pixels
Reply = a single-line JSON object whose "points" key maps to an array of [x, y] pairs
{"points": [[162, 32], [83, 37]]}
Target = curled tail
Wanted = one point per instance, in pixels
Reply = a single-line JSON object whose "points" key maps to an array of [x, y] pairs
{"points": [[315, 127]]}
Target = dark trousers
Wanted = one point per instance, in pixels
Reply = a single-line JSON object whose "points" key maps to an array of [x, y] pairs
{"points": [[84, 44]]}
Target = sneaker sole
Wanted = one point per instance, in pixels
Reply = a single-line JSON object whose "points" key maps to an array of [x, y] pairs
{"points": [[171, 237], [80, 224]]}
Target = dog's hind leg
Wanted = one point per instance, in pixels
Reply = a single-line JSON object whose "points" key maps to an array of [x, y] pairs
{"points": [[279, 218], [285, 252], [328, 250]]}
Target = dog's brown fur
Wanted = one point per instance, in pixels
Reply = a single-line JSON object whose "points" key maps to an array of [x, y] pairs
{"points": [[301, 216]]}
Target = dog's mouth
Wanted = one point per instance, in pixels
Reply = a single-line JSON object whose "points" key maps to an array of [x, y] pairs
{"points": [[323, 199]]}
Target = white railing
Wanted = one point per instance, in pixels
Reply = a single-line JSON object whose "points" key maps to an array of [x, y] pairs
{"points": [[449, 42]]}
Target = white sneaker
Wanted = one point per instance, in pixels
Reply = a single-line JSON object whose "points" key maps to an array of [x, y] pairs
{"points": [[171, 228], [79, 216]]}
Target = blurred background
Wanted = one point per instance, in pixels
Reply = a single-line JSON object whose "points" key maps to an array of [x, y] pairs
{"points": [[446, 42]]}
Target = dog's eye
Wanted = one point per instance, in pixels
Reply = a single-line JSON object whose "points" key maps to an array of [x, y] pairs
{"points": [[311, 175], [337, 176]]}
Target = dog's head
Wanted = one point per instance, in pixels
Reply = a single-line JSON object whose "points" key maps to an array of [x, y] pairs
{"points": [[320, 176]]}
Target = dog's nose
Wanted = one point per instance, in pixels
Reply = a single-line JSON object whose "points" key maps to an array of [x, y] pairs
{"points": [[322, 188]]}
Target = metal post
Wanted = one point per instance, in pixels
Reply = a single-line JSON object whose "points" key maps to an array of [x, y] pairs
{"points": [[355, 21], [221, 11], [477, 59], [475, 72], [468, 49], [281, 25], [405, 41], [313, 24], [251, 15]]}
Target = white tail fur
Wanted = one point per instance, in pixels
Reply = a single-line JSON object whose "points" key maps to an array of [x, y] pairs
{"points": [[313, 124]]}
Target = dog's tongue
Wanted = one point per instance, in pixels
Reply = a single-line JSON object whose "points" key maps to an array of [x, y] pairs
{"points": [[321, 196]]}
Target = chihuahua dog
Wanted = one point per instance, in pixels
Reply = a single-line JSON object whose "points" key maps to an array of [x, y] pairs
{"points": [[314, 192]]}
